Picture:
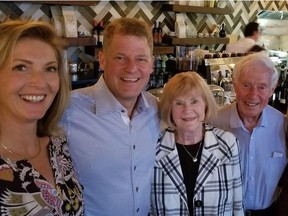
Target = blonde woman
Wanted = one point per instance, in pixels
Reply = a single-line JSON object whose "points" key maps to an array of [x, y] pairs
{"points": [[36, 174], [197, 168]]}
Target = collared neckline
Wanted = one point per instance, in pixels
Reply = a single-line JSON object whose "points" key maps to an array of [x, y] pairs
{"points": [[107, 103], [236, 122]]}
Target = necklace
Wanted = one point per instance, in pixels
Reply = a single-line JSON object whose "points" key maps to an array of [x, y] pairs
{"points": [[194, 159], [21, 156]]}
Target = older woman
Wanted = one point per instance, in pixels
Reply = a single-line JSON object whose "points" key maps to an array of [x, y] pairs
{"points": [[197, 170]]}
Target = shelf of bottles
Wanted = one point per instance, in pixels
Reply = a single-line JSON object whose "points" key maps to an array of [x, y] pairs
{"points": [[159, 47], [164, 69], [279, 99]]}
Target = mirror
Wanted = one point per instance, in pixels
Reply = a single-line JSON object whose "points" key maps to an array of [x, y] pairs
{"points": [[274, 25]]}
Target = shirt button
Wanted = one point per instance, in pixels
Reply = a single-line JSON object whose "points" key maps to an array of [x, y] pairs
{"points": [[137, 189], [198, 203]]}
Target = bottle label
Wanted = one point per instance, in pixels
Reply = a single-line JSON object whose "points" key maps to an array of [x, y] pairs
{"points": [[283, 101], [155, 36], [159, 38], [96, 38], [100, 38]]}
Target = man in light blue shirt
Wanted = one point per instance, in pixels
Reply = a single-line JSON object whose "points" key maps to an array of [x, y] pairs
{"points": [[113, 126], [260, 130]]}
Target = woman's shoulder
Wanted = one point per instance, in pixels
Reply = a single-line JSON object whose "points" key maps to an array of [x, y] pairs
{"points": [[222, 136], [219, 131], [222, 142], [58, 142], [58, 138]]}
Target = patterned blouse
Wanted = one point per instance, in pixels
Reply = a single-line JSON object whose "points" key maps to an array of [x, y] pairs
{"points": [[23, 191]]}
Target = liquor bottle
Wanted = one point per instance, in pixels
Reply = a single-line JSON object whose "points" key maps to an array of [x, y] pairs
{"points": [[283, 96], [94, 31], [155, 34], [222, 32], [277, 92], [228, 85], [220, 79], [160, 34], [100, 30], [160, 79], [272, 99], [152, 81]]}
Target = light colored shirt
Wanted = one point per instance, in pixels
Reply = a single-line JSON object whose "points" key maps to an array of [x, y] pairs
{"points": [[113, 155], [263, 153], [243, 45]]}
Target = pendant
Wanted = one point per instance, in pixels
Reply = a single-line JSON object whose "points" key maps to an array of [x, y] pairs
{"points": [[194, 159]]}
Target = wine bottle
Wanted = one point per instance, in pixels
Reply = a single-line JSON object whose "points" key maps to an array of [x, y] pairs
{"points": [[100, 30], [220, 79], [94, 31], [228, 85], [222, 32], [160, 32], [278, 88], [155, 34], [283, 96]]}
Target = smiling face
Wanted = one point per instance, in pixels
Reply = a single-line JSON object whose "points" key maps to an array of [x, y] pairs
{"points": [[29, 85], [253, 90], [188, 113], [127, 65]]}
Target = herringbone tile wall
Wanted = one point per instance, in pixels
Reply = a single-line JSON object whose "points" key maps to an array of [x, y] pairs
{"points": [[150, 11]]}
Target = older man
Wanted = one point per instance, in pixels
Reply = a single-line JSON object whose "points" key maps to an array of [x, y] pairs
{"points": [[260, 130]]}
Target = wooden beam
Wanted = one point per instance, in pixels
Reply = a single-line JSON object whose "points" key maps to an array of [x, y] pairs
{"points": [[75, 3]]}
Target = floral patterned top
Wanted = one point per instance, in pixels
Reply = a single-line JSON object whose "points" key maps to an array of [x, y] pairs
{"points": [[23, 191]]}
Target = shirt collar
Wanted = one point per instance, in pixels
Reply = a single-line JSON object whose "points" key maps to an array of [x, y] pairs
{"points": [[107, 103], [236, 122]]}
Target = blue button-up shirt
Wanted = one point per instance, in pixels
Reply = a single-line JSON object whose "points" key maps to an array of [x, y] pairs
{"points": [[263, 153], [113, 155]]}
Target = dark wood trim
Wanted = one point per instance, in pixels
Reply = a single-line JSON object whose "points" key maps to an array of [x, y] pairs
{"points": [[93, 50], [80, 41], [163, 50], [80, 3], [196, 41], [196, 9]]}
